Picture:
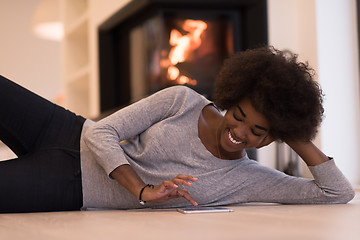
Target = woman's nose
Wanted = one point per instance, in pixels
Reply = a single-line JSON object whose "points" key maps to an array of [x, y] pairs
{"points": [[240, 132]]}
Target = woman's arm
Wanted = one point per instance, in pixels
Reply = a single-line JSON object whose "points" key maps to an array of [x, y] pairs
{"points": [[332, 183], [329, 184], [311, 155], [104, 137]]}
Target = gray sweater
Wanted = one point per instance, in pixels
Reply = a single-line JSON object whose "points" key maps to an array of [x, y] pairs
{"points": [[158, 137]]}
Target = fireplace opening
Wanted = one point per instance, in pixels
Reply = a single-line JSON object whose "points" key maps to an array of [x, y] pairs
{"points": [[152, 44]]}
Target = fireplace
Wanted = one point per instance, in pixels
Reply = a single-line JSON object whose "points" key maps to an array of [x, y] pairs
{"points": [[152, 44]]}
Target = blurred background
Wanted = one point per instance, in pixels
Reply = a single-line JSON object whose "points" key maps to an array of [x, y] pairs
{"points": [[66, 71]]}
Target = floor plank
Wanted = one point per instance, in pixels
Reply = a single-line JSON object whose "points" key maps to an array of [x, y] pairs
{"points": [[250, 221]]}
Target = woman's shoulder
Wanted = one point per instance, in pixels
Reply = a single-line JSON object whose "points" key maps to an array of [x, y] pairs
{"points": [[187, 91], [180, 99], [182, 94], [182, 89]]}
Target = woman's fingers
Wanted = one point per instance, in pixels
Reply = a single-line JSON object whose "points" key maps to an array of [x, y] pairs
{"points": [[185, 194], [178, 180], [170, 189], [167, 186], [181, 193], [184, 180]]}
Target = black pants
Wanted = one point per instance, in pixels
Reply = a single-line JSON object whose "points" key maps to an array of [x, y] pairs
{"points": [[46, 176]]}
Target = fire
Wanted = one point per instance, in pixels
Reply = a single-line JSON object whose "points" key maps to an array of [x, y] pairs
{"points": [[183, 45], [173, 72]]}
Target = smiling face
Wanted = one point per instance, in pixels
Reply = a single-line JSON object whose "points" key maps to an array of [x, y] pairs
{"points": [[242, 127]]}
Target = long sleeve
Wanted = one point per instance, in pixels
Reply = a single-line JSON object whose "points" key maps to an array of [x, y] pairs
{"points": [[335, 187], [328, 186], [104, 137]]}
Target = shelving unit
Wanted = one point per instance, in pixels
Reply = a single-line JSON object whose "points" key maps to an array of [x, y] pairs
{"points": [[76, 57]]}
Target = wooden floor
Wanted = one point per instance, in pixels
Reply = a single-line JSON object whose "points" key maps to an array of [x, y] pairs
{"points": [[254, 221]]}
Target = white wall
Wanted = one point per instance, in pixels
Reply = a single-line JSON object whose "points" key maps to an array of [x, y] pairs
{"points": [[26, 59], [324, 33], [339, 76]]}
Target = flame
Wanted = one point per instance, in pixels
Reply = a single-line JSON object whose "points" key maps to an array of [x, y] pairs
{"points": [[183, 45], [183, 79], [173, 72]]}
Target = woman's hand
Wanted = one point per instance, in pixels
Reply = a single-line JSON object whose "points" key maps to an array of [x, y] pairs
{"points": [[167, 190], [170, 189]]}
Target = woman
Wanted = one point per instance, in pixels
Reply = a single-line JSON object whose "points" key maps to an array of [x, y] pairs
{"points": [[175, 148]]}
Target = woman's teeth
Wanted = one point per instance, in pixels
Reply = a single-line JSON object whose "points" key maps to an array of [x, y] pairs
{"points": [[233, 140]]}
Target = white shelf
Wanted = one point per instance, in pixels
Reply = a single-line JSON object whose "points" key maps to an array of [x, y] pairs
{"points": [[77, 49], [79, 26], [80, 76], [76, 58], [73, 10]]}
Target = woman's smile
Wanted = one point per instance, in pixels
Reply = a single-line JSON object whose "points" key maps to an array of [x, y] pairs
{"points": [[233, 140]]}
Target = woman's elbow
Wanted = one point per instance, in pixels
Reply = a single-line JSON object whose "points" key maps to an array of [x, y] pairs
{"points": [[349, 195], [89, 135], [344, 196]]}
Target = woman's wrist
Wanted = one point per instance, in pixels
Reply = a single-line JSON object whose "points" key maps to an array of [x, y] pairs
{"points": [[141, 200], [128, 178]]}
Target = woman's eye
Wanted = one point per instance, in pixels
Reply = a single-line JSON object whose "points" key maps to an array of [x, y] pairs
{"points": [[256, 134], [236, 118]]}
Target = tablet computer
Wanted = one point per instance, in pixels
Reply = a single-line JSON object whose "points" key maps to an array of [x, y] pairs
{"points": [[204, 210]]}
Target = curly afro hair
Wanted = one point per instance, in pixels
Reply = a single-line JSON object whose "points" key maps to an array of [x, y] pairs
{"points": [[278, 86]]}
